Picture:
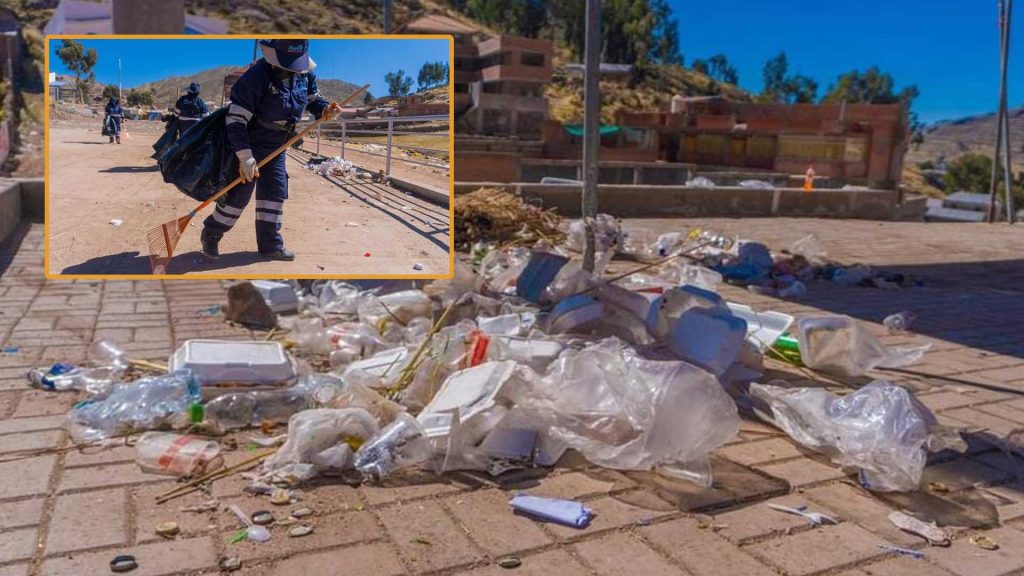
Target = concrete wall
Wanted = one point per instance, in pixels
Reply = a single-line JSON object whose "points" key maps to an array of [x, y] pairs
{"points": [[10, 207], [20, 199], [639, 201]]}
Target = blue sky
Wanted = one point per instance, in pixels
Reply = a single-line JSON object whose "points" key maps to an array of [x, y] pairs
{"points": [[948, 48], [355, 61]]}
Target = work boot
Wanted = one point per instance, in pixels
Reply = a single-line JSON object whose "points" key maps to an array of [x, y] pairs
{"points": [[282, 254], [111, 140], [118, 139], [209, 241]]}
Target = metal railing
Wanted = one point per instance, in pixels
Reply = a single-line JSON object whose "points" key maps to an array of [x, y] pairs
{"points": [[390, 132]]}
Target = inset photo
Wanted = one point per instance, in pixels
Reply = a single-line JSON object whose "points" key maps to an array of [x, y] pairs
{"points": [[245, 157]]}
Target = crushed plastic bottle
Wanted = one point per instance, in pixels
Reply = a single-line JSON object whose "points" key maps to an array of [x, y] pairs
{"points": [[401, 444], [243, 409], [63, 377], [146, 404]]}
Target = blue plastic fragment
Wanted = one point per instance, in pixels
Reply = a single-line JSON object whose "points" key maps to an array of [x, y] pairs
{"points": [[565, 512]]}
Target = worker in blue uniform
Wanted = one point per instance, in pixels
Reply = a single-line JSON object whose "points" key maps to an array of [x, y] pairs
{"points": [[189, 109], [266, 103], [115, 114]]}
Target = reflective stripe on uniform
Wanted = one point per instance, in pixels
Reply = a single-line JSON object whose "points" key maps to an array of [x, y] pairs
{"points": [[230, 210], [234, 119], [225, 220], [268, 217], [236, 109], [270, 205]]}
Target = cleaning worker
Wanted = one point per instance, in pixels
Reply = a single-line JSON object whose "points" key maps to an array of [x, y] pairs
{"points": [[266, 103], [113, 120], [189, 109]]}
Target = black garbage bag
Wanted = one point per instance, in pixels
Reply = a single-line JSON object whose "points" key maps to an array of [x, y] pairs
{"points": [[201, 162], [170, 135], [106, 127]]}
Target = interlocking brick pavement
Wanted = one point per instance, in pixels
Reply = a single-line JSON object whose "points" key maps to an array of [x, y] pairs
{"points": [[71, 513]]}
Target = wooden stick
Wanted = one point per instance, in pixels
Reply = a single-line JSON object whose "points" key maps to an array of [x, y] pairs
{"points": [[194, 484], [408, 371], [149, 365]]}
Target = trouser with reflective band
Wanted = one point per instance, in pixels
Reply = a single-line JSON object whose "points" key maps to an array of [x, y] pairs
{"points": [[185, 124], [271, 192]]}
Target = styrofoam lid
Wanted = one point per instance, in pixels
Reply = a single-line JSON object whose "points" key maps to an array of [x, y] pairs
{"points": [[232, 352]]}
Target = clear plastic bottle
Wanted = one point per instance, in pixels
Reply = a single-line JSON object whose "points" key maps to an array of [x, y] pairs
{"points": [[400, 444], [61, 377], [899, 322]]}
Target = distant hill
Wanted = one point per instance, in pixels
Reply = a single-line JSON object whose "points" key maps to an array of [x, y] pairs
{"points": [[167, 90], [952, 138]]}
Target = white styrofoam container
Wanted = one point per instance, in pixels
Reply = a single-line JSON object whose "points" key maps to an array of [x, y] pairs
{"points": [[279, 296], [235, 363]]}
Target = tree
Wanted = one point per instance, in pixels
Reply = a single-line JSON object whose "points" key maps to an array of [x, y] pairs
{"points": [[970, 172], [519, 17], [398, 83], [138, 98], [639, 32], [367, 98], [876, 87], [718, 68], [81, 62], [432, 74], [110, 91]]}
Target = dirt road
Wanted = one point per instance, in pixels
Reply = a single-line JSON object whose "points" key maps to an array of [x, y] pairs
{"points": [[330, 224]]}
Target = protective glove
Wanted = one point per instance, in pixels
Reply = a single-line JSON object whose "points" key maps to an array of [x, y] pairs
{"points": [[247, 165], [331, 112]]}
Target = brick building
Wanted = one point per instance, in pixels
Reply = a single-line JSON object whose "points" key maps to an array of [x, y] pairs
{"points": [[498, 81]]}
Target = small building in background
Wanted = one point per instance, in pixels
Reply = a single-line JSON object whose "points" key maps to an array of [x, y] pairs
{"points": [[498, 81], [62, 87]]}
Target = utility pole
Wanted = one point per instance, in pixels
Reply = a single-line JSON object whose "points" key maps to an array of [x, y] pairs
{"points": [[591, 125], [119, 79], [387, 16], [1007, 166], [1002, 121]]}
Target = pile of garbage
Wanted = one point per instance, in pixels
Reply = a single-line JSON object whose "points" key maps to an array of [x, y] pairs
{"points": [[336, 167], [493, 215], [508, 366]]}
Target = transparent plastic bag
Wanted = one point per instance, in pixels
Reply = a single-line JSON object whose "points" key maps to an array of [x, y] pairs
{"points": [[313, 432], [881, 429], [400, 444], [146, 404], [625, 412], [350, 393], [810, 247], [841, 346], [400, 307]]}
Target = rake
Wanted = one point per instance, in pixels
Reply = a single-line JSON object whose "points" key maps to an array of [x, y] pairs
{"points": [[164, 238]]}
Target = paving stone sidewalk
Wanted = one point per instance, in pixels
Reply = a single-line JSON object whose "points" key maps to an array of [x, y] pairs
{"points": [[71, 513]]}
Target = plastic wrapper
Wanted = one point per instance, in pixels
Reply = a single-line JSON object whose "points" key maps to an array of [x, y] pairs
{"points": [[311, 433], [146, 404], [332, 392], [608, 235], [880, 429], [841, 346], [699, 182], [400, 307], [400, 444], [810, 247], [500, 269], [625, 412], [201, 162], [176, 455], [757, 185]]}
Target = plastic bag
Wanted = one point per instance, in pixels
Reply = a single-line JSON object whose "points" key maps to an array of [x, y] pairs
{"points": [[176, 455], [810, 247], [400, 444], [313, 432], [625, 412], [757, 184], [699, 182], [880, 429], [607, 234], [201, 162], [146, 404], [170, 136], [399, 307], [331, 392], [841, 346]]}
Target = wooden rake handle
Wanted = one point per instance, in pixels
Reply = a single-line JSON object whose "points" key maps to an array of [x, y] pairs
{"points": [[275, 153]]}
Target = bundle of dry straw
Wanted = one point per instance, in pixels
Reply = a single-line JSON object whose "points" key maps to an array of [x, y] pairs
{"points": [[494, 215]]}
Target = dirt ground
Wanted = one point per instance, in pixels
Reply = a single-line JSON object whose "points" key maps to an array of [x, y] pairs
{"points": [[330, 224]]}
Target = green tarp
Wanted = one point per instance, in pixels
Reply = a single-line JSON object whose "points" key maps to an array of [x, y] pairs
{"points": [[604, 130]]}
